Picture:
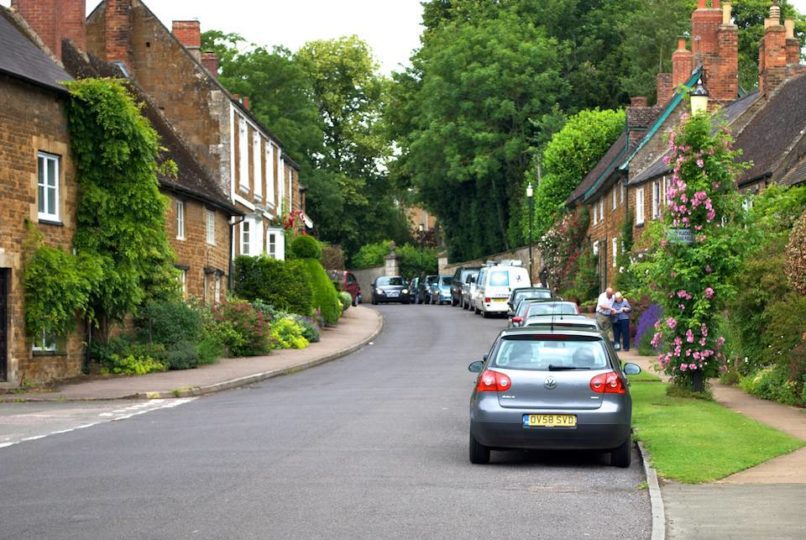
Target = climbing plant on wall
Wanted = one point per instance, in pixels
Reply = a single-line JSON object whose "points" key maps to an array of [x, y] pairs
{"points": [[121, 213]]}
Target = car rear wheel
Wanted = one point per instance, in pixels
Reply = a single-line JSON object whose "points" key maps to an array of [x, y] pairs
{"points": [[483, 314], [479, 454], [622, 456]]}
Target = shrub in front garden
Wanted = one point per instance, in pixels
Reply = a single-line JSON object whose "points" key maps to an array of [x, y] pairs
{"points": [[287, 334], [325, 297], [346, 300], [282, 284], [305, 247], [242, 328]]}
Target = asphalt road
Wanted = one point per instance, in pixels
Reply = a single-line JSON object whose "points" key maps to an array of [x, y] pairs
{"points": [[370, 446]]}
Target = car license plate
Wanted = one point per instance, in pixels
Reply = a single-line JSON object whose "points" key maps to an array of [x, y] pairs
{"points": [[392, 294], [500, 299], [549, 420]]}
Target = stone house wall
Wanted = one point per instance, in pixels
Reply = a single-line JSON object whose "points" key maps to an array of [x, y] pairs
{"points": [[33, 120]]}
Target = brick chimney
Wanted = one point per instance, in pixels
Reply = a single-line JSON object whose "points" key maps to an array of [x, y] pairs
{"points": [[210, 61], [663, 88], [715, 47], [792, 43], [639, 117], [117, 31], [55, 20], [245, 102], [682, 63], [772, 54], [189, 34]]}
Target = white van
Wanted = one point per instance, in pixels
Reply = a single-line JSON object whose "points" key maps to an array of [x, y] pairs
{"points": [[495, 285]]}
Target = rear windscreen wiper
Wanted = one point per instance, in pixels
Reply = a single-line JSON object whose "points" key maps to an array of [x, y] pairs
{"points": [[564, 368]]}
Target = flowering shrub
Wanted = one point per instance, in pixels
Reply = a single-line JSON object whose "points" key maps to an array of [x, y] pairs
{"points": [[691, 282], [796, 256]]}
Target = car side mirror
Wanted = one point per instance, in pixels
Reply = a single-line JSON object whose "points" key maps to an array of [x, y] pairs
{"points": [[631, 369], [517, 320], [475, 367]]}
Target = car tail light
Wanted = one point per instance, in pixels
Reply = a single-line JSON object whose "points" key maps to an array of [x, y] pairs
{"points": [[493, 381], [487, 299], [607, 383]]}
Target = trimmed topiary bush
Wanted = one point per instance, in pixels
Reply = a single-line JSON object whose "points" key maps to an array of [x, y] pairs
{"points": [[325, 296], [346, 300], [305, 247]]}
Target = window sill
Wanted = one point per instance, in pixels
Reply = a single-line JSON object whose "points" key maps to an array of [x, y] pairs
{"points": [[639, 224], [182, 238], [48, 353], [243, 189], [51, 221]]}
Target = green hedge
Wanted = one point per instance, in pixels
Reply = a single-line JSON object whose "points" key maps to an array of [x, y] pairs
{"points": [[282, 284]]}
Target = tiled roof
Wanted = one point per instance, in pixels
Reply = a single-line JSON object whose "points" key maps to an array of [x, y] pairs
{"points": [[193, 179], [795, 175], [774, 130], [604, 168], [727, 115], [21, 58]]}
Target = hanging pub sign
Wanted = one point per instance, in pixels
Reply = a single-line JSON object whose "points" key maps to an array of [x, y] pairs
{"points": [[680, 236]]}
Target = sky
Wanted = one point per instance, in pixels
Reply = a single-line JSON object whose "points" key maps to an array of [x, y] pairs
{"points": [[391, 27]]}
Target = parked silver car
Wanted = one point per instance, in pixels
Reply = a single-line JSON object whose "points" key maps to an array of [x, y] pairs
{"points": [[468, 289], [551, 390]]}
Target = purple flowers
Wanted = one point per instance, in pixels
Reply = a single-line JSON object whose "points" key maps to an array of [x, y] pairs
{"points": [[709, 293]]}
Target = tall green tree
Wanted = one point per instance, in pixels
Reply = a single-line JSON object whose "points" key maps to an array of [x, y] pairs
{"points": [[465, 143], [570, 154]]}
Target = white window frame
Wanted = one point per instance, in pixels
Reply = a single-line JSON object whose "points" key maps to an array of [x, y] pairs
{"points": [[601, 208], [209, 226], [615, 197], [270, 173], [615, 250], [623, 191], [243, 154], [183, 281], [180, 219], [596, 248], [217, 288], [44, 342], [245, 237], [272, 245], [46, 163], [281, 180], [258, 169], [639, 206], [595, 213], [656, 199]]}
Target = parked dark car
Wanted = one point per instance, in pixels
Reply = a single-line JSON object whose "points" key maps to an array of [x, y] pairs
{"points": [[424, 288], [459, 280], [346, 281], [390, 289], [541, 389], [523, 292]]}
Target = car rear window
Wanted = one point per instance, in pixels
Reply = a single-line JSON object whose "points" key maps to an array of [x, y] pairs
{"points": [[499, 279], [565, 308], [550, 354], [390, 281], [447, 280]]}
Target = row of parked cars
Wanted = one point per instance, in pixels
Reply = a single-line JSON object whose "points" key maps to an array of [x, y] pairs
{"points": [[552, 379]]}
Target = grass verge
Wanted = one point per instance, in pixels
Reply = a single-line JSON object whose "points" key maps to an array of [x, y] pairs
{"points": [[695, 441]]}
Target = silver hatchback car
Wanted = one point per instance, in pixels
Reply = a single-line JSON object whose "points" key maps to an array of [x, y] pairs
{"points": [[544, 389]]}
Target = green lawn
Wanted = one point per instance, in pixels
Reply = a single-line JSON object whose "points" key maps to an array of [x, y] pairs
{"points": [[693, 440]]}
